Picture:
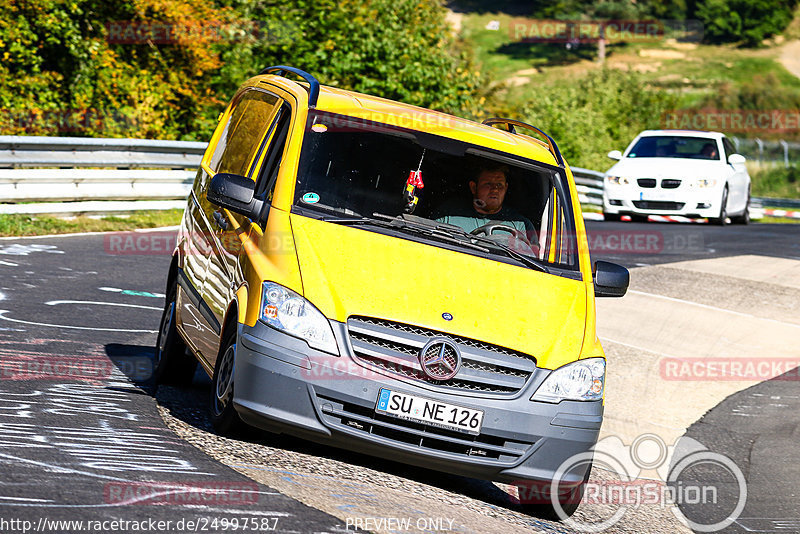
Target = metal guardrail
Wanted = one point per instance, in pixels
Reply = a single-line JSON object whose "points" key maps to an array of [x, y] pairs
{"points": [[72, 175], [589, 185], [60, 174]]}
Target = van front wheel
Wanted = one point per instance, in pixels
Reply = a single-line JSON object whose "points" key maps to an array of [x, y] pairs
{"points": [[223, 415], [173, 364]]}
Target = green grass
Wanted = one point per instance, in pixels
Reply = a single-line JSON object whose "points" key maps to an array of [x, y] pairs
{"points": [[27, 225], [776, 182], [695, 77]]}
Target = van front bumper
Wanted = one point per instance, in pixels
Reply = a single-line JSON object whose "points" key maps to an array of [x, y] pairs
{"points": [[283, 386]]}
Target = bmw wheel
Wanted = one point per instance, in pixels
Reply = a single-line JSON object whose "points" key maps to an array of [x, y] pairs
{"points": [[723, 210], [744, 218]]}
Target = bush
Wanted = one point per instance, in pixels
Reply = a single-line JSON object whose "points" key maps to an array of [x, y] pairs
{"points": [[746, 21], [60, 73], [776, 182], [398, 49], [600, 112]]}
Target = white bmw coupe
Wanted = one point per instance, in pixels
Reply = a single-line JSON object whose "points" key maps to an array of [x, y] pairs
{"points": [[691, 173]]}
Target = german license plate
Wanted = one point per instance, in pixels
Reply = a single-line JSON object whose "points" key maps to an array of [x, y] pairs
{"points": [[435, 413], [657, 195]]}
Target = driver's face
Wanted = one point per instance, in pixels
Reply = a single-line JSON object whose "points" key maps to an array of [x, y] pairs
{"points": [[491, 189]]}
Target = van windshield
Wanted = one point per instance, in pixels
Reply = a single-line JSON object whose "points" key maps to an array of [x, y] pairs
{"points": [[428, 188]]}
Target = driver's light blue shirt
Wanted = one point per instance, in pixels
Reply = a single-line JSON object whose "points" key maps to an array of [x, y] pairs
{"points": [[466, 218]]}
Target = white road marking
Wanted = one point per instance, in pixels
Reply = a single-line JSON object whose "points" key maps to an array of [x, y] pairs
{"points": [[81, 234], [9, 263], [708, 307], [16, 249], [680, 358], [62, 468], [55, 302], [24, 499], [662, 354], [32, 323]]}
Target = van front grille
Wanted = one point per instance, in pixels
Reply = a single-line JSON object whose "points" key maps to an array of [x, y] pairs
{"points": [[395, 347]]}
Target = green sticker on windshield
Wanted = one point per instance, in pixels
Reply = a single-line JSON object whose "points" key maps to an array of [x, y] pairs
{"points": [[311, 198]]}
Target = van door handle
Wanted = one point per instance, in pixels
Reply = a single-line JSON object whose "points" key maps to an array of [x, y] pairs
{"points": [[220, 220]]}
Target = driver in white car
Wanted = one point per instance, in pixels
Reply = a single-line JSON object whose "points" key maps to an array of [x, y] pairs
{"points": [[488, 189]]}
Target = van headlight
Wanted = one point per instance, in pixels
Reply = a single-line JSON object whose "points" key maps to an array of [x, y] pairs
{"points": [[617, 180], [285, 310], [582, 380]]}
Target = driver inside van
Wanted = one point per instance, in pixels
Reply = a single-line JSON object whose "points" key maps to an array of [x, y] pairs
{"points": [[488, 188]]}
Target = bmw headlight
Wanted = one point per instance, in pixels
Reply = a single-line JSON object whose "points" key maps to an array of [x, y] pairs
{"points": [[582, 380], [705, 182], [285, 310], [617, 180]]}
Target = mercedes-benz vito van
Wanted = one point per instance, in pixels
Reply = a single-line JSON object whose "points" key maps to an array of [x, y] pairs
{"points": [[392, 280]]}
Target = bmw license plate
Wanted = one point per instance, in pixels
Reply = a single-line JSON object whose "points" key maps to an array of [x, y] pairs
{"points": [[657, 195], [435, 413]]}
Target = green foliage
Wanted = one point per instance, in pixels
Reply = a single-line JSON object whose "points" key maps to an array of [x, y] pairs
{"points": [[760, 93], [746, 21], [398, 49], [594, 114], [776, 182], [65, 71], [61, 75], [592, 9]]}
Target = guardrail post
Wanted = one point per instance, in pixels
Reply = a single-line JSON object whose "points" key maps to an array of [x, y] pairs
{"points": [[785, 146]]}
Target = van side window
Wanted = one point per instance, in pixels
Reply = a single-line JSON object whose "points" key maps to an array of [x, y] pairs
{"points": [[246, 126], [265, 185]]}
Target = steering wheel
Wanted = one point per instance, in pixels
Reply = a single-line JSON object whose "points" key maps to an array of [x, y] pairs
{"points": [[525, 246]]}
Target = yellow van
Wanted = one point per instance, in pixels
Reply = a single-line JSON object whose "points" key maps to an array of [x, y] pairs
{"points": [[392, 280]]}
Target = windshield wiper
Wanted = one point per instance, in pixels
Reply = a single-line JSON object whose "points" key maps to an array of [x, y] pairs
{"points": [[402, 224], [522, 258], [450, 230]]}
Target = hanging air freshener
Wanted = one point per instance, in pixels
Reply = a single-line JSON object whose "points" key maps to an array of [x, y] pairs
{"points": [[414, 181]]}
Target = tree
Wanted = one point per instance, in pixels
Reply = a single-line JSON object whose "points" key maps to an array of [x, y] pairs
{"points": [[166, 68], [746, 21], [398, 49]]}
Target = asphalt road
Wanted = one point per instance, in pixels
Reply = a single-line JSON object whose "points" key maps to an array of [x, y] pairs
{"points": [[81, 438], [90, 447], [653, 243]]}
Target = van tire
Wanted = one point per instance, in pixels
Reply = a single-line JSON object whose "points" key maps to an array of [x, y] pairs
{"points": [[173, 363], [224, 418], [569, 505]]}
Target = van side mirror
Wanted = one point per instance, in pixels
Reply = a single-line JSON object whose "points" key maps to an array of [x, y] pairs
{"points": [[615, 155], [235, 193], [736, 159], [610, 279]]}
